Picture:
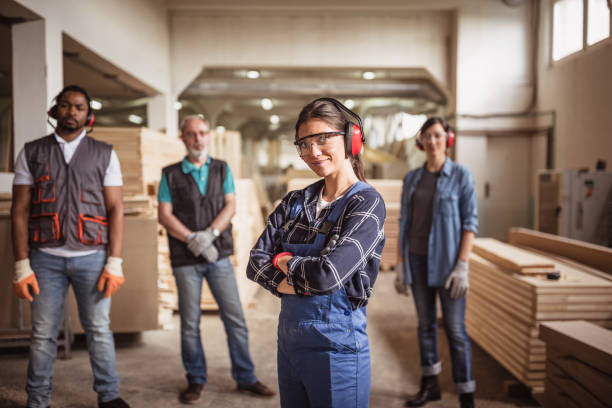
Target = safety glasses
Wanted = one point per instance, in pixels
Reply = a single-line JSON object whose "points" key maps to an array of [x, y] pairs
{"points": [[304, 144]]}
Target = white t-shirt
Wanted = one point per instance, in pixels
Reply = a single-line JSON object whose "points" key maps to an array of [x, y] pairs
{"points": [[321, 203], [23, 176]]}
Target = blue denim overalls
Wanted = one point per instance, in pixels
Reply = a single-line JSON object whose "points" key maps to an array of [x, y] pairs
{"points": [[323, 349]]}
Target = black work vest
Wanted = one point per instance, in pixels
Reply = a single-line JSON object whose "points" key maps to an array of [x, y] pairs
{"points": [[197, 212], [67, 206]]}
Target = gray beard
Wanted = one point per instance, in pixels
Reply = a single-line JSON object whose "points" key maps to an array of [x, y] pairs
{"points": [[197, 155]]}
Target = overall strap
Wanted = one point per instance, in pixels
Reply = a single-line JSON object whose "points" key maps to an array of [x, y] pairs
{"points": [[296, 209], [332, 218]]}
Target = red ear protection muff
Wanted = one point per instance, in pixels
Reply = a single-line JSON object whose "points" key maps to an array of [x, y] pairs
{"points": [[450, 140], [91, 118], [353, 139], [353, 132]]}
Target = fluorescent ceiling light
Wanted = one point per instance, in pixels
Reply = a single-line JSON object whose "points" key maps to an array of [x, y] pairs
{"points": [[220, 129], [274, 119], [267, 104], [135, 119], [252, 74], [349, 103], [178, 105], [368, 75], [96, 105]]}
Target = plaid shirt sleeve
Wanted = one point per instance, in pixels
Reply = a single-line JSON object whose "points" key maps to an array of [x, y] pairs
{"points": [[260, 268], [358, 250]]}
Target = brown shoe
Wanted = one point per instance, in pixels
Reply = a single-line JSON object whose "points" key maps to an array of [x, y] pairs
{"points": [[191, 393], [257, 388]]}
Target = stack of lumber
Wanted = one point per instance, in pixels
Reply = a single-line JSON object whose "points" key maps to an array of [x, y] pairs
{"points": [[578, 364], [594, 256], [391, 192], [5, 203], [505, 307], [227, 146], [142, 153]]}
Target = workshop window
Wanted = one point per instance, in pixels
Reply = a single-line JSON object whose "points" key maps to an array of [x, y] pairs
{"points": [[578, 24]]}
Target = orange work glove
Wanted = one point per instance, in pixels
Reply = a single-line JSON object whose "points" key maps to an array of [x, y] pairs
{"points": [[23, 278], [112, 276]]}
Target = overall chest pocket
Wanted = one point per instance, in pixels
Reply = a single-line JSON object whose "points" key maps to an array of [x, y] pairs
{"points": [[448, 205]]}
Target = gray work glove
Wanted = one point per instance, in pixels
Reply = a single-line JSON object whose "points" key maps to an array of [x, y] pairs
{"points": [[457, 281], [210, 253], [199, 241]]}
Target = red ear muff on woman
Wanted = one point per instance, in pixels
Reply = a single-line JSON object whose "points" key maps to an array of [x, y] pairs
{"points": [[450, 140], [353, 139]]}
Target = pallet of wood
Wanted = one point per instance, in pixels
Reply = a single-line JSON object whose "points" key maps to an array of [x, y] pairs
{"points": [[578, 364], [505, 308], [142, 154]]}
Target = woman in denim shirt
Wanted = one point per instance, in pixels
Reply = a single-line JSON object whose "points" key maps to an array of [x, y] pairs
{"points": [[438, 221]]}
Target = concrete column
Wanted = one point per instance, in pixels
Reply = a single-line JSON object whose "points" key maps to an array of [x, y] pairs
{"points": [[156, 113], [29, 82]]}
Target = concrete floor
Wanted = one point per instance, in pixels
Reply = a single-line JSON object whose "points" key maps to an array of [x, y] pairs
{"points": [[152, 374]]}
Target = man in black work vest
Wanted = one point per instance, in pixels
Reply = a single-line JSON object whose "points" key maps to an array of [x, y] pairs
{"points": [[196, 203], [67, 219]]}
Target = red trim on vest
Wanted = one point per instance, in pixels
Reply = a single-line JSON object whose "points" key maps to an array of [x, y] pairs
{"points": [[98, 219]]}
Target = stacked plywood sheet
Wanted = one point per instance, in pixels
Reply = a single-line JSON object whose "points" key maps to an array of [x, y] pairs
{"points": [[227, 146], [578, 364], [505, 308], [142, 153], [391, 192]]}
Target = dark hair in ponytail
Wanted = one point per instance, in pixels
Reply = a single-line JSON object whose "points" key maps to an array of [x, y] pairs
{"points": [[334, 117]]}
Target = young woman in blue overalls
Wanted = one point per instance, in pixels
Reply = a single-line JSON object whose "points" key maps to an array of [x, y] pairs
{"points": [[320, 252]]}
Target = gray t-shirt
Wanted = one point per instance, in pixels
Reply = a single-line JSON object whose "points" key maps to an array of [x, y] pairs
{"points": [[422, 213]]}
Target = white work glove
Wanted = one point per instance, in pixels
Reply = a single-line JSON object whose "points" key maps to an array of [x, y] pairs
{"points": [[457, 281], [400, 285], [199, 241], [23, 278], [112, 276]]}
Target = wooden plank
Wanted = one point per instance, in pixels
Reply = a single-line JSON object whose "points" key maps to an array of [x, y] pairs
{"points": [[513, 258], [595, 381], [595, 256], [586, 341], [556, 397], [572, 388]]}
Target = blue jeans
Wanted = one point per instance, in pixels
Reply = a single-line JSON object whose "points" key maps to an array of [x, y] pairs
{"points": [[222, 283], [453, 314], [54, 274]]}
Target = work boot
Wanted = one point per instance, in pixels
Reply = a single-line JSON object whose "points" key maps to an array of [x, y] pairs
{"points": [[191, 393], [258, 389], [466, 400], [116, 403], [430, 391]]}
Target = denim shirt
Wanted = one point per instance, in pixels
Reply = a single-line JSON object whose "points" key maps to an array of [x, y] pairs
{"points": [[455, 209]]}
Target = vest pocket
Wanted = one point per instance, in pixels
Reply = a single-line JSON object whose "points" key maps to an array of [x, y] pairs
{"points": [[91, 196], [43, 228], [93, 229], [44, 192], [39, 170]]}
